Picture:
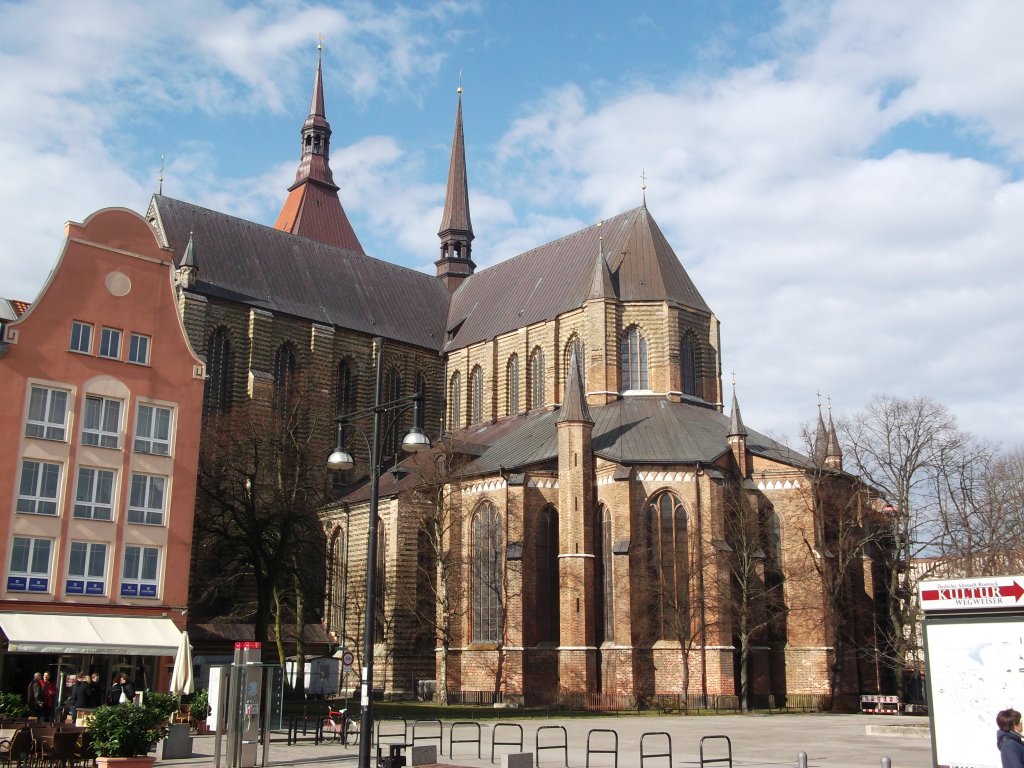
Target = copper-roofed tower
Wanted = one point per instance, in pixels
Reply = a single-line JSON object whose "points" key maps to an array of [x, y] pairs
{"points": [[456, 231], [313, 208]]}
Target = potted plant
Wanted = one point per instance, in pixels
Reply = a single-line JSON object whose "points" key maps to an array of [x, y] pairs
{"points": [[13, 704], [199, 709], [123, 734]]}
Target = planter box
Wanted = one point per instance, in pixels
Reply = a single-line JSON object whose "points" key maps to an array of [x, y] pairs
{"points": [[177, 745]]}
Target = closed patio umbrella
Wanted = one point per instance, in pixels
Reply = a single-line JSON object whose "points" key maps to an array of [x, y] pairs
{"points": [[181, 676]]}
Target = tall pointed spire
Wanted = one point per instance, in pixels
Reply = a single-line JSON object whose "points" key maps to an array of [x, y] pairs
{"points": [[737, 436], [574, 404], [456, 230], [833, 452], [736, 428], [601, 286], [313, 208], [820, 447]]}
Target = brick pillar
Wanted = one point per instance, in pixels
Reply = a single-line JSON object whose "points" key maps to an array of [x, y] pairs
{"points": [[577, 654]]}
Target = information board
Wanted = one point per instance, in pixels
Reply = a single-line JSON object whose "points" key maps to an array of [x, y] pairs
{"points": [[974, 671]]}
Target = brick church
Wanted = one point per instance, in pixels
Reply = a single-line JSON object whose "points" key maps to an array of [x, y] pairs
{"points": [[592, 521]]}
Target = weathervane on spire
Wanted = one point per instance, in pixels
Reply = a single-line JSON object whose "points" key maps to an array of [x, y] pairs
{"points": [[160, 178], [459, 89], [320, 41], [643, 186]]}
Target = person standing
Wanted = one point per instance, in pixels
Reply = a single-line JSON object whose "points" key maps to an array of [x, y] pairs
{"points": [[49, 697], [95, 691], [81, 693], [121, 692], [34, 695], [1008, 738]]}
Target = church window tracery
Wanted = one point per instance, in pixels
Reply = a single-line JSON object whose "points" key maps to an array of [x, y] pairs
{"points": [[217, 397], [547, 577], [487, 607], [455, 400], [535, 391], [633, 359], [476, 395], [512, 385], [688, 361], [284, 376], [668, 565]]}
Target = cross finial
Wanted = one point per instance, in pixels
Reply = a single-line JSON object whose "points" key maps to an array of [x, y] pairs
{"points": [[829, 398], [819, 400], [160, 178], [734, 381], [459, 89], [643, 184], [320, 42]]}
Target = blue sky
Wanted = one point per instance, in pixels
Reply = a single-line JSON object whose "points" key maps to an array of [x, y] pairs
{"points": [[842, 179]]}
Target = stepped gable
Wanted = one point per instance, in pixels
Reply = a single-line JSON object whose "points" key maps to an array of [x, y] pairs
{"points": [[542, 283], [245, 262], [634, 430]]}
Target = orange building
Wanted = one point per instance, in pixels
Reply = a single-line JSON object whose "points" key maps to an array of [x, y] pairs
{"points": [[102, 396]]}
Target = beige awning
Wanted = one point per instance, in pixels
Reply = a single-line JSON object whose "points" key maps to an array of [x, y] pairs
{"points": [[57, 633]]}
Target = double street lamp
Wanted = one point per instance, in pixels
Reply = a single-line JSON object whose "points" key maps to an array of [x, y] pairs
{"points": [[341, 459]]}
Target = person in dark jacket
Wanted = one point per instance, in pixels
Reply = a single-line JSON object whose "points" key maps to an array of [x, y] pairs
{"points": [[34, 695], [95, 691], [121, 686], [1008, 740], [80, 696]]}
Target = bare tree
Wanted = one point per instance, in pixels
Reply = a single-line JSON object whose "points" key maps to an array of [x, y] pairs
{"points": [[917, 459], [261, 482]]}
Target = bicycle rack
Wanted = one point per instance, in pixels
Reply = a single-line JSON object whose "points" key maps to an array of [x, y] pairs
{"points": [[494, 737], [712, 760], [645, 755], [452, 741], [613, 751], [564, 746]]}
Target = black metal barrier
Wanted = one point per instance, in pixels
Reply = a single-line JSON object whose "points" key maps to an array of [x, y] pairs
{"points": [[391, 735], [439, 738], [302, 722], [613, 751], [564, 746], [712, 760], [494, 737], [644, 755], [452, 741]]}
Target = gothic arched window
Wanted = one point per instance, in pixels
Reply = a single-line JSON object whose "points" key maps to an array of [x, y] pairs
{"points": [[392, 390], [667, 562], [535, 388], [688, 360], [476, 396], [455, 400], [346, 388], [284, 376], [546, 611], [486, 575], [633, 360], [217, 394], [512, 386]]}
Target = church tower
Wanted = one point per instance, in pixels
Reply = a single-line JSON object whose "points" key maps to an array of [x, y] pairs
{"points": [[456, 231], [577, 577], [313, 208]]}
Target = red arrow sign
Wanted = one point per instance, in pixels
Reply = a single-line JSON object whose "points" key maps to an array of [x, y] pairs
{"points": [[1012, 590]]}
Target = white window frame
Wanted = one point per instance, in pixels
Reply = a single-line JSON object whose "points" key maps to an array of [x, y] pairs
{"points": [[139, 342], [45, 425], [77, 329], [108, 335], [146, 423], [88, 581], [135, 583], [104, 434], [142, 511], [30, 578], [37, 501], [88, 501]]}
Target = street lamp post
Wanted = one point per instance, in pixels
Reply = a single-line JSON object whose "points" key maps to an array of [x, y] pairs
{"points": [[341, 459]]}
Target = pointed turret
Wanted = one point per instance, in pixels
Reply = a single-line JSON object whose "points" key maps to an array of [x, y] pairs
{"points": [[820, 448], [188, 269], [574, 404], [737, 436], [313, 208], [601, 286], [456, 230], [833, 453]]}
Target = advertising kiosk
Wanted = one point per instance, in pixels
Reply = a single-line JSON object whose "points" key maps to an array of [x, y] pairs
{"points": [[974, 663]]}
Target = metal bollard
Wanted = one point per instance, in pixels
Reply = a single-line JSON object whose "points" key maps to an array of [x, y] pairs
{"points": [[801, 760], [886, 762]]}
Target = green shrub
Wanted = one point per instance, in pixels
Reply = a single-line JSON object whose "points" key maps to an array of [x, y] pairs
{"points": [[13, 704], [164, 703], [124, 730], [199, 707]]}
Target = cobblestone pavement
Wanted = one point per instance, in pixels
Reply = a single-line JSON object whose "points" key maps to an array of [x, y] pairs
{"points": [[758, 741]]}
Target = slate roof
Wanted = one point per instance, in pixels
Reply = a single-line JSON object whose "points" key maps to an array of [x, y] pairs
{"points": [[241, 261], [558, 277], [633, 430]]}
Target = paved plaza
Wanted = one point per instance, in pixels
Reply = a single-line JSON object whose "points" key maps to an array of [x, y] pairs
{"points": [[830, 741]]}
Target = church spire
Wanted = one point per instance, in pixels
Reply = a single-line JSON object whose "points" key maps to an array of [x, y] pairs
{"points": [[456, 230], [833, 452], [313, 208], [737, 436]]}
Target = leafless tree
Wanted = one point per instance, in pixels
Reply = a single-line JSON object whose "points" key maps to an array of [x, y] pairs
{"points": [[261, 482], [920, 463]]}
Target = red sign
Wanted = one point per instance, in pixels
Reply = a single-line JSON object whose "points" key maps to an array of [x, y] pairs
{"points": [[972, 594], [247, 644]]}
